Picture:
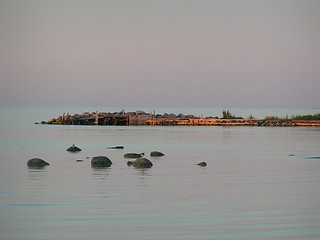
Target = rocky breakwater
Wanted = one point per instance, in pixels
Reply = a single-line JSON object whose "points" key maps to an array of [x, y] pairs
{"points": [[287, 123], [138, 117]]}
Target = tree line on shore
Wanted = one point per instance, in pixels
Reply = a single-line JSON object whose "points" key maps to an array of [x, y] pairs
{"points": [[296, 117], [314, 117]]}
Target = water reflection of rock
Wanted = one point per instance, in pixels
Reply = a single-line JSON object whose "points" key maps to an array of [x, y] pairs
{"points": [[37, 174], [143, 172], [100, 173]]}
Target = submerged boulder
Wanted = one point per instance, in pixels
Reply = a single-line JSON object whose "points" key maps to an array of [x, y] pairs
{"points": [[156, 154], [141, 163], [73, 148], [133, 155], [37, 163], [202, 164], [101, 161], [116, 147]]}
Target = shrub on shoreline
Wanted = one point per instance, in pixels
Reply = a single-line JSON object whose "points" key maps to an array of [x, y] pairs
{"points": [[295, 117], [228, 115], [307, 117]]}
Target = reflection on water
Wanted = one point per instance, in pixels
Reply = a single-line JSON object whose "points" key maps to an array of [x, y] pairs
{"points": [[100, 172], [260, 183], [36, 174], [143, 172]]}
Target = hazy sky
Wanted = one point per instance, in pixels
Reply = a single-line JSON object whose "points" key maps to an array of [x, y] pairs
{"points": [[160, 53]]}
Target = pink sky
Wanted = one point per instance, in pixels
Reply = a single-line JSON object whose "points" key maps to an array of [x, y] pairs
{"points": [[168, 53]]}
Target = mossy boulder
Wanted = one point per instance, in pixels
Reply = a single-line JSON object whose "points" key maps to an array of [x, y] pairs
{"points": [[37, 163], [133, 155], [202, 164], [142, 163], [156, 154], [101, 161], [73, 148]]}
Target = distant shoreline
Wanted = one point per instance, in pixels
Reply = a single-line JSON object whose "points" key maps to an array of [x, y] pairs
{"points": [[141, 118]]}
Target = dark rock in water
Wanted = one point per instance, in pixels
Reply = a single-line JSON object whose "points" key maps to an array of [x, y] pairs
{"points": [[312, 158], [73, 148], [101, 161], [116, 147], [202, 164], [156, 154], [142, 163], [133, 155], [79, 160], [37, 163]]}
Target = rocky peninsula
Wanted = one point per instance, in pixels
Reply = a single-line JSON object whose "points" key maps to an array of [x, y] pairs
{"points": [[138, 117]]}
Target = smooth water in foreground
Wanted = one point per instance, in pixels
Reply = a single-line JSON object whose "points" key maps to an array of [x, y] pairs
{"points": [[260, 183]]}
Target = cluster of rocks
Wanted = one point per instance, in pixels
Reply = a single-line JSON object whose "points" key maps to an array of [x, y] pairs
{"points": [[285, 123], [112, 118], [140, 161], [103, 161]]}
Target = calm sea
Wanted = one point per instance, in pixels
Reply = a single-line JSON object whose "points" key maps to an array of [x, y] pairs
{"points": [[260, 182]]}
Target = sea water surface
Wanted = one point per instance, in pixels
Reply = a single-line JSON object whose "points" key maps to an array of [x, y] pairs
{"points": [[260, 182]]}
